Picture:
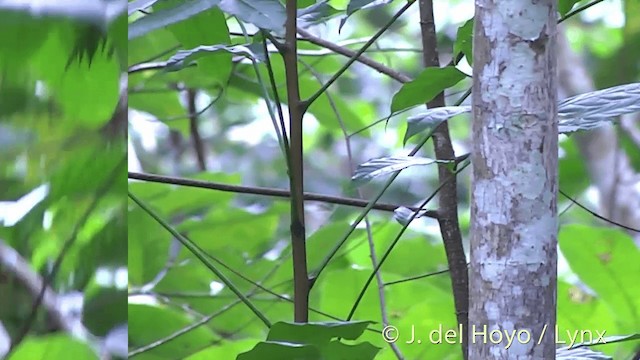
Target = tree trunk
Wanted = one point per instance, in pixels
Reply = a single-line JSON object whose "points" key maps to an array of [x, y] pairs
{"points": [[515, 181]]}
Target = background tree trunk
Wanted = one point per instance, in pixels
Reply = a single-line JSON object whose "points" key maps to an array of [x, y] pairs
{"points": [[515, 182]]}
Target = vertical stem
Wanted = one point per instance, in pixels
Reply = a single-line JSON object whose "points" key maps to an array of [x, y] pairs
{"points": [[198, 145], [296, 165], [448, 197]]}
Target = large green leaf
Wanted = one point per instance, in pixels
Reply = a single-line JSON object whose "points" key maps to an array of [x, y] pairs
{"points": [[150, 323], [54, 347], [207, 27], [608, 262], [265, 14], [165, 17], [429, 83]]}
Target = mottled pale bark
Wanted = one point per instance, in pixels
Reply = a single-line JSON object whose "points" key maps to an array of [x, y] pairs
{"points": [[515, 165]]}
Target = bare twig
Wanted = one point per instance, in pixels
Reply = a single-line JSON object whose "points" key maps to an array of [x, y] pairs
{"points": [[379, 67], [358, 53], [598, 216]]}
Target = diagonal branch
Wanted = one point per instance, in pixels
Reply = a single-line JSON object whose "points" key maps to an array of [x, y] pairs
{"points": [[379, 67]]}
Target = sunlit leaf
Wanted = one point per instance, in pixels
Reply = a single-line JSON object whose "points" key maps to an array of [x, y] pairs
{"points": [[425, 87], [316, 14], [464, 40], [387, 165], [265, 14], [166, 17], [429, 120]]}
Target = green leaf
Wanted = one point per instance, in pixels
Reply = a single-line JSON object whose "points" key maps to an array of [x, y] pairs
{"points": [[265, 14], [317, 333], [148, 247], [387, 165], [150, 323], [339, 350], [430, 119], [608, 262], [313, 341], [355, 5], [104, 310], [166, 17], [464, 41], [316, 14], [226, 350], [183, 58], [281, 350], [425, 87], [564, 6], [53, 347], [22, 36], [207, 27]]}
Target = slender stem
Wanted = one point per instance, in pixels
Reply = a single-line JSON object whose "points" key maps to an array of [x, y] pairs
{"points": [[296, 166], [448, 197], [200, 255]]}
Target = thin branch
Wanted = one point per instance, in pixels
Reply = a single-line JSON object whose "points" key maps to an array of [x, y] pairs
{"points": [[355, 56], [380, 50], [418, 277], [276, 99], [279, 128], [200, 255], [578, 10], [170, 180], [267, 290], [594, 214], [381, 68], [189, 115]]}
